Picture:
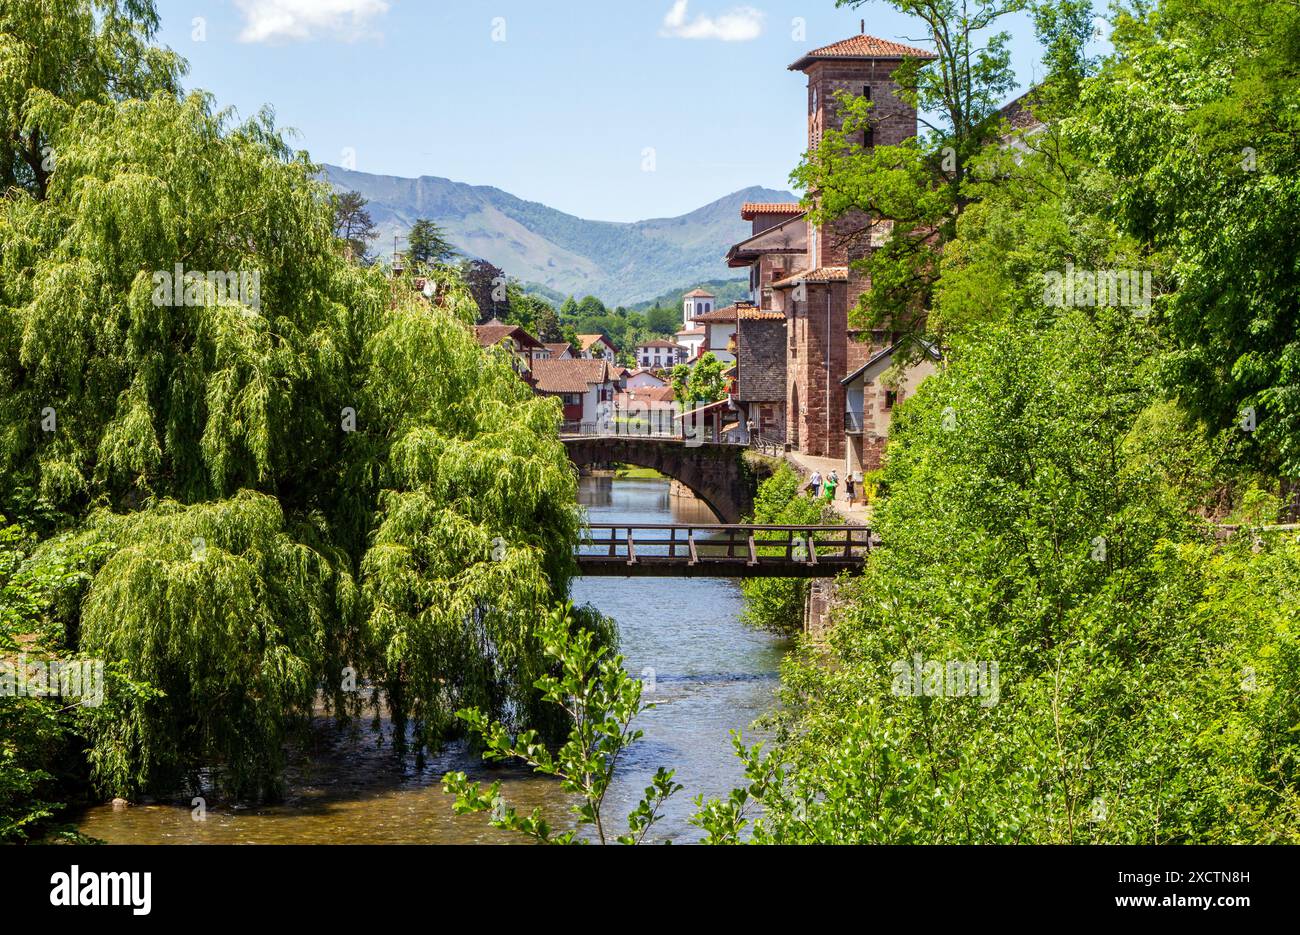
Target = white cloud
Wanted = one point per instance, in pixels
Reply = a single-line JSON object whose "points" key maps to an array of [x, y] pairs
{"points": [[304, 20], [739, 24]]}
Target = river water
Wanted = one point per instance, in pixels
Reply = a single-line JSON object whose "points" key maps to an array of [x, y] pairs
{"points": [[707, 673]]}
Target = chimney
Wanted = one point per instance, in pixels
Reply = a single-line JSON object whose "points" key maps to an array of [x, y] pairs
{"points": [[862, 26]]}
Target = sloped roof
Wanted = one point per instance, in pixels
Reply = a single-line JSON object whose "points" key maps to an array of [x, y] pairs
{"points": [[569, 376], [558, 349], [658, 342], [495, 331], [1018, 111], [861, 47], [751, 209], [655, 397], [698, 294], [585, 341], [821, 274], [691, 332], [885, 353], [759, 314], [788, 236], [718, 316]]}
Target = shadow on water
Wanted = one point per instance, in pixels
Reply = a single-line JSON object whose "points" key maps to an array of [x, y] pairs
{"points": [[706, 672]]}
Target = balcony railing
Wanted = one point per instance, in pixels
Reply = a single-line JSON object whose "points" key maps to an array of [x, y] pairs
{"points": [[853, 423]]}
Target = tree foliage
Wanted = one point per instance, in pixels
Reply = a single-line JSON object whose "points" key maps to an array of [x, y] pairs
{"points": [[427, 244], [317, 488], [777, 604], [1143, 690]]}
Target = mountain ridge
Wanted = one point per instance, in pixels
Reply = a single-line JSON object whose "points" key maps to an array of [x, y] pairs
{"points": [[620, 262]]}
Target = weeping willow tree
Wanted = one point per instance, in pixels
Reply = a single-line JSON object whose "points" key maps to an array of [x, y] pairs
{"points": [[316, 488]]}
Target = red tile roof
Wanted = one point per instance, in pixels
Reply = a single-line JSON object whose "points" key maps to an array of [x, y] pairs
{"points": [[718, 316], [691, 331], [750, 209], [861, 46], [658, 342], [495, 331], [698, 293], [585, 341], [569, 376], [657, 397], [558, 349], [821, 274], [761, 314]]}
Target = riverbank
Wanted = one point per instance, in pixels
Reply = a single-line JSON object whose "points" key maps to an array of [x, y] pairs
{"points": [[706, 672]]}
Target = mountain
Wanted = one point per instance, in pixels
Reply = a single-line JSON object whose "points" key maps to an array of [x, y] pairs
{"points": [[619, 263], [726, 291]]}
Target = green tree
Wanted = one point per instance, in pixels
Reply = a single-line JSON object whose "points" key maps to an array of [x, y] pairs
{"points": [[283, 494], [427, 244], [1206, 171], [662, 321], [353, 224], [57, 56], [592, 307], [777, 604], [707, 384]]}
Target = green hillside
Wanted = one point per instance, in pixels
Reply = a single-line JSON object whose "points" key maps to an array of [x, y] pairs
{"points": [[620, 263]]}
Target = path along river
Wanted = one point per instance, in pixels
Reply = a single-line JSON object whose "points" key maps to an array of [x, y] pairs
{"points": [[711, 674]]}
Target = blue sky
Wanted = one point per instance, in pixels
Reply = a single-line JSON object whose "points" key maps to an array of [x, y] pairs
{"points": [[556, 102]]}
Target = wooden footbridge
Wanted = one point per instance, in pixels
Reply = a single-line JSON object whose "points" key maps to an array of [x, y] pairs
{"points": [[672, 550]]}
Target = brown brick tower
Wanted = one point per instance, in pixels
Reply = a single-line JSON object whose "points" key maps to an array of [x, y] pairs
{"points": [[817, 298]]}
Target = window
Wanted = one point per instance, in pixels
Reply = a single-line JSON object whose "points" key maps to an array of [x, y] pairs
{"points": [[891, 397]]}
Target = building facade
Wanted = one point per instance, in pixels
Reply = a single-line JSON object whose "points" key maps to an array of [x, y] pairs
{"points": [[805, 270], [661, 353]]}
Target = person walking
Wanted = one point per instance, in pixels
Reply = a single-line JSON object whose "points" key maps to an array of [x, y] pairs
{"points": [[815, 484], [850, 488], [831, 483]]}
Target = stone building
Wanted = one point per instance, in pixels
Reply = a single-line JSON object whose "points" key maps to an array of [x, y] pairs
{"points": [[759, 384], [803, 270]]}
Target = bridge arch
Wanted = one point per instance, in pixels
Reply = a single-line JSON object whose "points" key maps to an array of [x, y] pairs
{"points": [[715, 473]]}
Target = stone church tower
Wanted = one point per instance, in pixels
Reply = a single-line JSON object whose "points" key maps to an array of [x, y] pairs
{"points": [[821, 351]]}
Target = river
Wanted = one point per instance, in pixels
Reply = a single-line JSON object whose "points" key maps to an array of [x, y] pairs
{"points": [[709, 674]]}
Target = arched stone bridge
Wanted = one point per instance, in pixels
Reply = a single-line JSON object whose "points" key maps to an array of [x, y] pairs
{"points": [[716, 473]]}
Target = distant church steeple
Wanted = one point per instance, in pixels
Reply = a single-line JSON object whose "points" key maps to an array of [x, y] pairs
{"points": [[695, 302]]}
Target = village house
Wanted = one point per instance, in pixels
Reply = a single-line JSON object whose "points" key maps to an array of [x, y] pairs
{"points": [[647, 410], [659, 353], [586, 388], [719, 329], [596, 347], [758, 385], [870, 403], [526, 349], [689, 340], [644, 378], [560, 351]]}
